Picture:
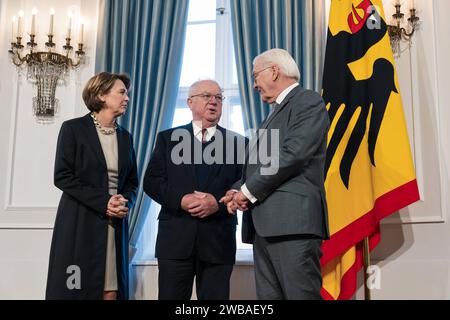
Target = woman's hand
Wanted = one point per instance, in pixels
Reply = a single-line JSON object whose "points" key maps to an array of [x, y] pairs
{"points": [[117, 206]]}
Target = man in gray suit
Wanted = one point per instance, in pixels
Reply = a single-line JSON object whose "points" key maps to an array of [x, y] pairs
{"points": [[287, 216]]}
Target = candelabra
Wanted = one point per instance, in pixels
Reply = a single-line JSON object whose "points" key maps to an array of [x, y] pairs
{"points": [[46, 69], [398, 33]]}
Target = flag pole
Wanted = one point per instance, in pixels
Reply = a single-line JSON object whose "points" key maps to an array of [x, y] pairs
{"points": [[366, 256]]}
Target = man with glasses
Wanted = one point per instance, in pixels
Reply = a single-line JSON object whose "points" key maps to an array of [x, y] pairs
{"points": [[287, 219], [196, 235]]}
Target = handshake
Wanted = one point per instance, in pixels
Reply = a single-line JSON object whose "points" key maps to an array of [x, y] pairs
{"points": [[235, 200]]}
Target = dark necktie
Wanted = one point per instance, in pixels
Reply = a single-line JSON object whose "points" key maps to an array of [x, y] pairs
{"points": [[204, 132], [273, 109]]}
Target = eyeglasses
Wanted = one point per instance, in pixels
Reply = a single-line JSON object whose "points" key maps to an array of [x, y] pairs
{"points": [[208, 96], [255, 74]]}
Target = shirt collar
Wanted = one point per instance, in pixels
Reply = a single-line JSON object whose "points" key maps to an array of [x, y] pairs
{"points": [[285, 92], [196, 126]]}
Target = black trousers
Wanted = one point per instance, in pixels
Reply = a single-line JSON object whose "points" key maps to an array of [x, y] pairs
{"points": [[288, 267], [176, 277]]}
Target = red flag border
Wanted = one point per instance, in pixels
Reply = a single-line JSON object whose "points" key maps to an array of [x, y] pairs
{"points": [[349, 280], [366, 226]]}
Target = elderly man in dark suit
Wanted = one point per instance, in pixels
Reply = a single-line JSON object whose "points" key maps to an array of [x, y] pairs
{"points": [[191, 167], [287, 220]]}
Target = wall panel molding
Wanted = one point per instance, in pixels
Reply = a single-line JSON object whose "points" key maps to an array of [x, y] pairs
{"points": [[418, 72], [28, 197]]}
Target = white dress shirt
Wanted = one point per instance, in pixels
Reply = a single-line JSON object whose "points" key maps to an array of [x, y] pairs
{"points": [[197, 126]]}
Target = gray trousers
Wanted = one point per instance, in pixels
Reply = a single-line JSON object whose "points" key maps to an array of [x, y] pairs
{"points": [[288, 267]]}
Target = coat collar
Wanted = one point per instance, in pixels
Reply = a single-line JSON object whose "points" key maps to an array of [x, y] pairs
{"points": [[285, 101], [254, 142], [123, 147]]}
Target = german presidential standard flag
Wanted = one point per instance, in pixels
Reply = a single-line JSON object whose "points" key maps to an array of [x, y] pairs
{"points": [[369, 168]]}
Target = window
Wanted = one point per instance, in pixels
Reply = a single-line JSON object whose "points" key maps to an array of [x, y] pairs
{"points": [[208, 53]]}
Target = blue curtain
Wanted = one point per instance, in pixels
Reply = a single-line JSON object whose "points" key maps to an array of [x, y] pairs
{"points": [[145, 39], [297, 26]]}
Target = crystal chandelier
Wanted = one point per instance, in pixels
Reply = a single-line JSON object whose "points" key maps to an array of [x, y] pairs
{"points": [[46, 69], [398, 33]]}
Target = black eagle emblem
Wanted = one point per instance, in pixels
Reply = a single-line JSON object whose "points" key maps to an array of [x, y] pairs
{"points": [[341, 87]]}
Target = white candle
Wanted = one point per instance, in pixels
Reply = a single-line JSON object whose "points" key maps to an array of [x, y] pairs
{"points": [[13, 29], [69, 27], [412, 4], [33, 21], [81, 33], [50, 29], [397, 2], [20, 24]]}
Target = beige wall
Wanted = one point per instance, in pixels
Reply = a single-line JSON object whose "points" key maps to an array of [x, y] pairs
{"points": [[414, 252], [28, 198]]}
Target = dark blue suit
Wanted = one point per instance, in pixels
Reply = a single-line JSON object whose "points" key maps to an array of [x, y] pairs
{"points": [[186, 245]]}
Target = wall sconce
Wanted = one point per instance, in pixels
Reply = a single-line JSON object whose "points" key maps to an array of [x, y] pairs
{"points": [[398, 33], [47, 68]]}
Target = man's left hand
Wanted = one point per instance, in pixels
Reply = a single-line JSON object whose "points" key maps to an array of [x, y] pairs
{"points": [[241, 201], [204, 205]]}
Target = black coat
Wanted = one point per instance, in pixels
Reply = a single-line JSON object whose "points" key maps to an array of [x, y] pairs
{"points": [[213, 238], [80, 231]]}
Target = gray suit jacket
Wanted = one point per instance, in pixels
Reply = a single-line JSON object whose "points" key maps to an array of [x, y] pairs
{"points": [[292, 200]]}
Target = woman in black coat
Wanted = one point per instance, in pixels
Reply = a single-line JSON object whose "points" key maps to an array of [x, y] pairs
{"points": [[95, 167]]}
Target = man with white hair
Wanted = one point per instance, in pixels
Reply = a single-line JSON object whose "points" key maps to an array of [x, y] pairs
{"points": [[287, 216]]}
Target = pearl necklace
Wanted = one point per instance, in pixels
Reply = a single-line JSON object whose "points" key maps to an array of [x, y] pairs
{"points": [[104, 131]]}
